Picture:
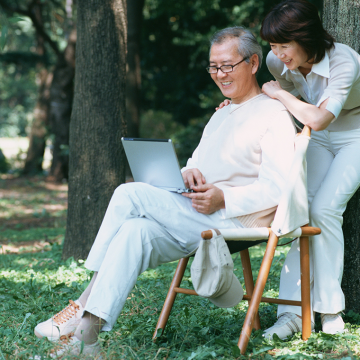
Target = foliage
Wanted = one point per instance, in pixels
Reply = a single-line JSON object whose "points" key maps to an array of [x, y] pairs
{"points": [[35, 285], [17, 85], [21, 62]]}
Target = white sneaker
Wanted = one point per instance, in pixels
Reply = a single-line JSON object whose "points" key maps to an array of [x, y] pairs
{"points": [[74, 346], [332, 323], [64, 323], [287, 324]]}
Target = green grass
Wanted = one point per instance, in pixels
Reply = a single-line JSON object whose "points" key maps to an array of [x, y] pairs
{"points": [[34, 286]]}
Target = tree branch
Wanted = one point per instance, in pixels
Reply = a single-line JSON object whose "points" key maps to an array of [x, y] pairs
{"points": [[38, 27]]}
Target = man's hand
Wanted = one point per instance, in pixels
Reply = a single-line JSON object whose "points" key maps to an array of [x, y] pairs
{"points": [[207, 199], [193, 177], [226, 102]]}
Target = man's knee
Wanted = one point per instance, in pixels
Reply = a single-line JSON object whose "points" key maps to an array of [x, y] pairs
{"points": [[132, 187]]}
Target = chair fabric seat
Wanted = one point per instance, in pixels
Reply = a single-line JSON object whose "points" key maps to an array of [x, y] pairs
{"points": [[236, 246]]}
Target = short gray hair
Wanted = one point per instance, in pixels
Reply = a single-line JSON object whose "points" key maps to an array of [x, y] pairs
{"points": [[247, 45]]}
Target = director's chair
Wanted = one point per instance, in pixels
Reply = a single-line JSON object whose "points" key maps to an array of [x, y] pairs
{"points": [[290, 217]]}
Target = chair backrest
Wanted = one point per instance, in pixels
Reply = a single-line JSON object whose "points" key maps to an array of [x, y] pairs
{"points": [[292, 211]]}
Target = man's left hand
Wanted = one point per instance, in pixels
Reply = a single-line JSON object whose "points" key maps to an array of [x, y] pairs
{"points": [[207, 198]]}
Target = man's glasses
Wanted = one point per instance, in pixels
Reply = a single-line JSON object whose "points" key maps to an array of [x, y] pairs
{"points": [[223, 68]]}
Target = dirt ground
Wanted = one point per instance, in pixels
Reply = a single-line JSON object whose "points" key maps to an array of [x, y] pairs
{"points": [[28, 205]]}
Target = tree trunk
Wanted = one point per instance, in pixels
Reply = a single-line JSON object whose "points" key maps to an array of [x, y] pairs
{"points": [[97, 124], [133, 79], [61, 97], [342, 19], [38, 132]]}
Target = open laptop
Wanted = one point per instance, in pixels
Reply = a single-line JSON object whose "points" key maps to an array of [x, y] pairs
{"points": [[154, 162]]}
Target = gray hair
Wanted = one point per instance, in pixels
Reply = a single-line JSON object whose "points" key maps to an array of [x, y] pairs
{"points": [[247, 45]]}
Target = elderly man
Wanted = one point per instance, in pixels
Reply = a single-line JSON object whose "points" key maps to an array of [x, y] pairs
{"points": [[237, 173]]}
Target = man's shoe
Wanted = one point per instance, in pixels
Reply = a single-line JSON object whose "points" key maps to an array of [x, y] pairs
{"points": [[287, 324], [332, 323], [74, 346], [64, 323]]}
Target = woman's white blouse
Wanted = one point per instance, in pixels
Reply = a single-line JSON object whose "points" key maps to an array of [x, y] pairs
{"points": [[336, 76]]}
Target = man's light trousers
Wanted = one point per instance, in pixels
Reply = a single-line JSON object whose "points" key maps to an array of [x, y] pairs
{"points": [[143, 227], [333, 160]]}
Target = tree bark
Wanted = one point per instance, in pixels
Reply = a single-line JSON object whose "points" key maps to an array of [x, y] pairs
{"points": [[98, 121], [39, 127], [342, 19], [61, 97], [38, 132]]}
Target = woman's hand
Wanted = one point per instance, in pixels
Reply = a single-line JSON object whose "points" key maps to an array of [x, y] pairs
{"points": [[226, 102], [271, 89]]}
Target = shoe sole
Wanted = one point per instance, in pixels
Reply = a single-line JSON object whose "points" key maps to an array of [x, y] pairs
{"points": [[52, 339], [37, 334]]}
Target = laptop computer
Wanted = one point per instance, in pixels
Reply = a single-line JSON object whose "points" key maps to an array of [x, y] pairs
{"points": [[154, 162]]}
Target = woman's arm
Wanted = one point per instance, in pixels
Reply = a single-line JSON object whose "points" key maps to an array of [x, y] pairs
{"points": [[318, 118]]}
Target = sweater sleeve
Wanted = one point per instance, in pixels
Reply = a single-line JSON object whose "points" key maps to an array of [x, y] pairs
{"points": [[277, 147], [192, 162]]}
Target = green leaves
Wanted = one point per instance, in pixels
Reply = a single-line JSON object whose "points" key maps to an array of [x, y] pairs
{"points": [[16, 19], [4, 32]]}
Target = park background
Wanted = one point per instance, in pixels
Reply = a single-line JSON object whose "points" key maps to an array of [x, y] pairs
{"points": [[47, 113]]}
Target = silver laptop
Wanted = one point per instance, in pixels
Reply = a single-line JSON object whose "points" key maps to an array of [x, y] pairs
{"points": [[154, 162]]}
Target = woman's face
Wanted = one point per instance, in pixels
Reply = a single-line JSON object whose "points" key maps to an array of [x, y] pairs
{"points": [[291, 54]]}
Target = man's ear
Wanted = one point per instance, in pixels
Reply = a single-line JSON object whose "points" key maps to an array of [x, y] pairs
{"points": [[254, 62]]}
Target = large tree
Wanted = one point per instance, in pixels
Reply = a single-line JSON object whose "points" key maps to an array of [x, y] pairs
{"points": [[342, 19], [98, 120]]}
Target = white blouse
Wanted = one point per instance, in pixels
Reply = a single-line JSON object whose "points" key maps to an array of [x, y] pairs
{"points": [[336, 76]]}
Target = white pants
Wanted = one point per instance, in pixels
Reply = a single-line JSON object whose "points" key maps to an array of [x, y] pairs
{"points": [[143, 227], [333, 160]]}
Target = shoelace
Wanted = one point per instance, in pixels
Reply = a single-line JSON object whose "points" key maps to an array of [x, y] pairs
{"points": [[64, 340], [329, 317], [67, 313], [284, 318]]}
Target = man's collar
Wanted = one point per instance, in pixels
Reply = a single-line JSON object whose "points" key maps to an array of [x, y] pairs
{"points": [[322, 68]]}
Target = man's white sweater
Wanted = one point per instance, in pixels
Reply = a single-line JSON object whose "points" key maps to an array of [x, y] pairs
{"points": [[247, 152]]}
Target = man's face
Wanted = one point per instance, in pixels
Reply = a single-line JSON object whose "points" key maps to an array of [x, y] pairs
{"points": [[235, 84]]}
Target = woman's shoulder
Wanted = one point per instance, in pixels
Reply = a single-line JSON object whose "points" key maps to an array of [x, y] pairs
{"points": [[340, 50], [343, 58]]}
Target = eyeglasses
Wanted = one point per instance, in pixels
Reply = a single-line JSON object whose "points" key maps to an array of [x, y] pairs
{"points": [[223, 68]]}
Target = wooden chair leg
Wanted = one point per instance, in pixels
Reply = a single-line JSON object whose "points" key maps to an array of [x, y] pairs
{"points": [[305, 287], [170, 298], [249, 281], [258, 291]]}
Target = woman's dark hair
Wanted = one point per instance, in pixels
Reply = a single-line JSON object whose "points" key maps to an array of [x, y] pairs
{"points": [[297, 20]]}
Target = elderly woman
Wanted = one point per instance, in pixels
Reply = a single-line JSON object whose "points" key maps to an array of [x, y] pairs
{"points": [[308, 64]]}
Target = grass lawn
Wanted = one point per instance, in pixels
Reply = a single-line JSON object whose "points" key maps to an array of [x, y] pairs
{"points": [[35, 283]]}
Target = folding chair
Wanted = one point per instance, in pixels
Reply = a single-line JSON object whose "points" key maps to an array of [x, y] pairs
{"points": [[289, 221]]}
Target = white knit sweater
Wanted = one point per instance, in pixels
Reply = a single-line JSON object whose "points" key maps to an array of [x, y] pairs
{"points": [[247, 152]]}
